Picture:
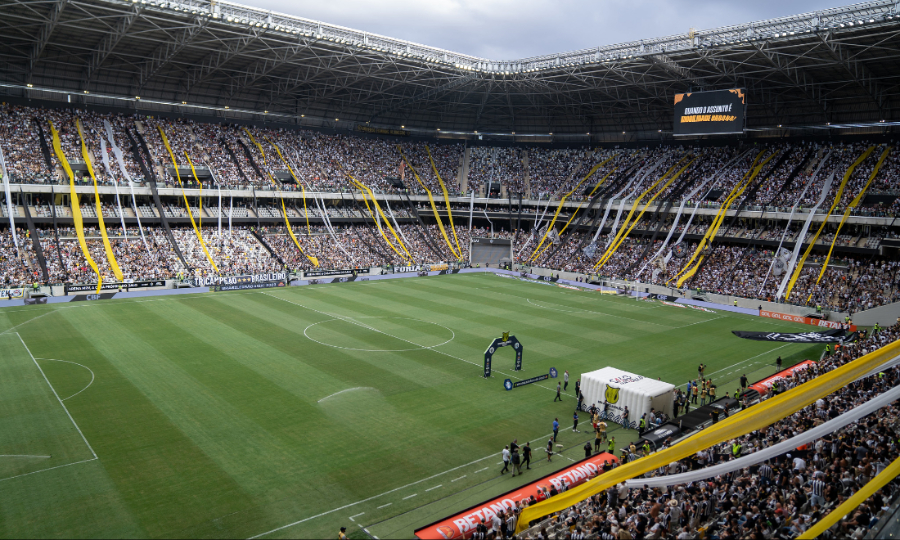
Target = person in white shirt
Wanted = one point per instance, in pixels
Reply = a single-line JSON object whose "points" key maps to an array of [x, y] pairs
{"points": [[506, 456], [495, 524]]}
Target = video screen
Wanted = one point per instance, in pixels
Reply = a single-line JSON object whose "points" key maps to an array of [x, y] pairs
{"points": [[710, 113]]}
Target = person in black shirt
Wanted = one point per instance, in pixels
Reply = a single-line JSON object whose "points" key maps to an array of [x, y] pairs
{"points": [[743, 382], [587, 449], [526, 455]]}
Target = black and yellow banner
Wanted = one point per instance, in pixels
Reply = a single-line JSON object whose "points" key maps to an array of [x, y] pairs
{"points": [[165, 140], [623, 233], [446, 201], [853, 204], [110, 256], [440, 224], [837, 199], [287, 223], [713, 230], [76, 209], [537, 250]]}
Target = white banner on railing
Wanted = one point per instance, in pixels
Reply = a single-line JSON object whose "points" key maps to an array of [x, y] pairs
{"points": [[9, 207], [105, 158], [806, 437], [119, 159], [826, 188], [686, 198], [639, 178]]}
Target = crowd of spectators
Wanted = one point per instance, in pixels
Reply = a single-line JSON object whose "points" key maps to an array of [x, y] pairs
{"points": [[777, 498]]}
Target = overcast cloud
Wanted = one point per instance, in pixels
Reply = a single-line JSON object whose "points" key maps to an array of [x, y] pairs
{"points": [[513, 29]]}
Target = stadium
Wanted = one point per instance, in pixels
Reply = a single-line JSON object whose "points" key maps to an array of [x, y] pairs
{"points": [[265, 276]]}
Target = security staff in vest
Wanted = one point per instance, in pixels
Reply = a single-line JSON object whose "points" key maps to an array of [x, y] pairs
{"points": [[611, 446], [642, 425], [646, 448], [876, 329], [828, 349], [736, 449]]}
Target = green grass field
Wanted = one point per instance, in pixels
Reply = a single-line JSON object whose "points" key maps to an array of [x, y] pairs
{"points": [[292, 412]]}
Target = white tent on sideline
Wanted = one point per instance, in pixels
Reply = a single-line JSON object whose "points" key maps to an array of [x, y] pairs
{"points": [[612, 389]]}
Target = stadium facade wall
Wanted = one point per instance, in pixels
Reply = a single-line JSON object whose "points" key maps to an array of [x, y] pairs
{"points": [[883, 315]]}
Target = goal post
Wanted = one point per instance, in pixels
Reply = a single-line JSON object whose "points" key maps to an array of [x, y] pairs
{"points": [[505, 341]]}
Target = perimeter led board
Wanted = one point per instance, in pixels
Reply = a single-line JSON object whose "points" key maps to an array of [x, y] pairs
{"points": [[710, 113]]}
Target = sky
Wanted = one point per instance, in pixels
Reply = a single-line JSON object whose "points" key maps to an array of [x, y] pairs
{"points": [[515, 29]]}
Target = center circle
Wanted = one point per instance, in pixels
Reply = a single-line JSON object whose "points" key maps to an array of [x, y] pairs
{"points": [[344, 330]]}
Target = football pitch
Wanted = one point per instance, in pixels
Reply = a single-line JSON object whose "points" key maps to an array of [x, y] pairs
{"points": [[284, 413]]}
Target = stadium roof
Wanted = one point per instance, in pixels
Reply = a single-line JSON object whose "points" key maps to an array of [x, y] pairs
{"points": [[836, 66]]}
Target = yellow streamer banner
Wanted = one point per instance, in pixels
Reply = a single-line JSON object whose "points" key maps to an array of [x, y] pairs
{"points": [[635, 205], [165, 140], [110, 256], [837, 199], [363, 189], [446, 201], [746, 421], [623, 233], [293, 174], [888, 474], [76, 208], [433, 207], [194, 174], [713, 230], [853, 204], [287, 223], [717, 217], [575, 213], [562, 201]]}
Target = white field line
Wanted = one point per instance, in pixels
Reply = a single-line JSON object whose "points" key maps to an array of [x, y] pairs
{"points": [[460, 478], [435, 487], [480, 470], [26, 456], [371, 498], [77, 364], [747, 360], [432, 477], [50, 469], [430, 348], [410, 496], [57, 397], [26, 322], [356, 516], [701, 322]]}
